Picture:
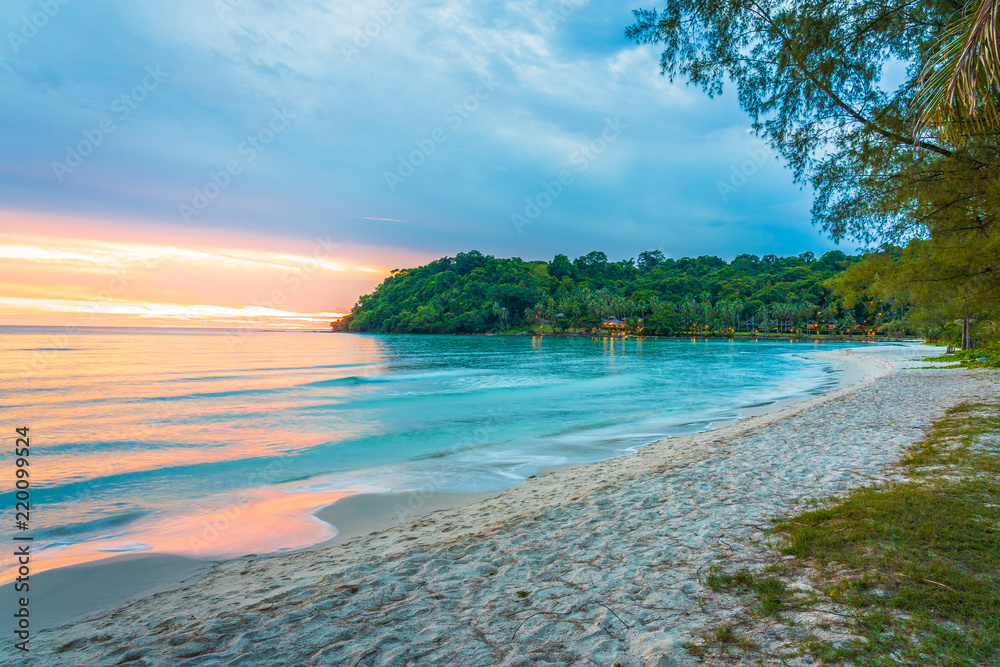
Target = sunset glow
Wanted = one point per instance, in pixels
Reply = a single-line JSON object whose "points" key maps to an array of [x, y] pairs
{"points": [[230, 532], [97, 273]]}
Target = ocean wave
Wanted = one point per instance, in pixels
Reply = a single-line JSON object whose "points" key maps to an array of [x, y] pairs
{"points": [[103, 523], [128, 547], [353, 380], [214, 394]]}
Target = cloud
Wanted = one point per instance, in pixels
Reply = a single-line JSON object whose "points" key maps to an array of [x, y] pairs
{"points": [[369, 83], [158, 274]]}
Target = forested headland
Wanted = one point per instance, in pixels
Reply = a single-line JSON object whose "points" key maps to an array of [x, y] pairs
{"points": [[651, 294], [907, 166]]}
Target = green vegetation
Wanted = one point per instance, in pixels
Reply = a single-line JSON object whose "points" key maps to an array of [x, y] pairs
{"points": [[987, 356], [960, 81], [770, 591], [724, 634], [921, 277], [716, 579], [916, 562], [925, 553], [476, 293], [907, 165]]}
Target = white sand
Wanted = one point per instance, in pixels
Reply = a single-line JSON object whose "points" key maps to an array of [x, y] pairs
{"points": [[72, 594], [610, 551], [359, 515]]}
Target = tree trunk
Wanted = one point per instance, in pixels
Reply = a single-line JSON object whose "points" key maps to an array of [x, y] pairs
{"points": [[966, 335]]}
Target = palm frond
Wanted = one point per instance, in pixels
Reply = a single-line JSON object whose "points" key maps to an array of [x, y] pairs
{"points": [[961, 83]]}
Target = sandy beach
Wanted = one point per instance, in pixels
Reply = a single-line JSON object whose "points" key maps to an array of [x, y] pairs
{"points": [[610, 552]]}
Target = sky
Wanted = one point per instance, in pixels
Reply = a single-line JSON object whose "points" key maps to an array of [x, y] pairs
{"points": [[222, 161]]}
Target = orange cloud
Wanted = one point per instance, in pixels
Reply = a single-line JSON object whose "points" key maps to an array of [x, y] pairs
{"points": [[51, 272]]}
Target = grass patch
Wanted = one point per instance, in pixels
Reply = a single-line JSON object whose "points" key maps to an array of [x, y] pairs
{"points": [[741, 580], [725, 634], [770, 592], [984, 357], [922, 557]]}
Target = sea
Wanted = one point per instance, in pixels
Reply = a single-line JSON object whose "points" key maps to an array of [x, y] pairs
{"points": [[216, 443]]}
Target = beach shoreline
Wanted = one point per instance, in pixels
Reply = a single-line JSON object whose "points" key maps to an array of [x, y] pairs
{"points": [[355, 516], [497, 519], [261, 489], [359, 515]]}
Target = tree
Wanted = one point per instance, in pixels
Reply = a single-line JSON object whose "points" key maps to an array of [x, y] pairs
{"points": [[505, 294], [465, 262], [663, 322], [592, 263], [650, 259], [500, 312], [921, 162], [690, 312], [921, 276], [808, 75], [560, 267]]}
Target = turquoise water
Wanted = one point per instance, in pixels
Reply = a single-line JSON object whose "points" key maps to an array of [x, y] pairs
{"points": [[141, 438]]}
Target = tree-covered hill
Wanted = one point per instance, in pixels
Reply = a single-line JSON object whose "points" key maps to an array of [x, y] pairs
{"points": [[476, 293]]}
